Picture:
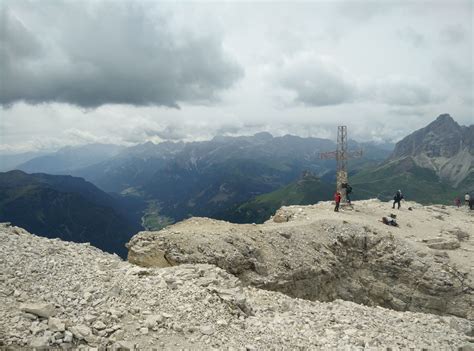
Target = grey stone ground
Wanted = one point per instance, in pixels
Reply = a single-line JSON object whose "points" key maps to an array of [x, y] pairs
{"points": [[56, 293]]}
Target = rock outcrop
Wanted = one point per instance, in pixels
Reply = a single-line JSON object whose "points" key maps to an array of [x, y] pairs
{"points": [[313, 253], [98, 300]]}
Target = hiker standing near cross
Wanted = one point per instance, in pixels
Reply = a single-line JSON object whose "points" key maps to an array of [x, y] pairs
{"points": [[342, 155]]}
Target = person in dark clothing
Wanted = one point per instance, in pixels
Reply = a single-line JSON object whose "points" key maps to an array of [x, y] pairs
{"points": [[457, 202], [397, 198], [337, 198], [348, 193], [471, 204]]}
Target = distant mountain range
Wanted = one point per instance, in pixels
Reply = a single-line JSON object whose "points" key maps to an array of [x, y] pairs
{"points": [[66, 207], [432, 165], [69, 159], [241, 179], [10, 162], [178, 180]]}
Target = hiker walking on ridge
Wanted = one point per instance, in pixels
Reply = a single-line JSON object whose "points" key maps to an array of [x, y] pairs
{"points": [[467, 197], [397, 198], [337, 198]]}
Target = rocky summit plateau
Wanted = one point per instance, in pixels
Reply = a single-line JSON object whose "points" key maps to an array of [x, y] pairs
{"points": [[308, 278]]}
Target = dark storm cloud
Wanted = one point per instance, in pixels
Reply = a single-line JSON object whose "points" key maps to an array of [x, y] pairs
{"points": [[17, 40], [95, 53]]}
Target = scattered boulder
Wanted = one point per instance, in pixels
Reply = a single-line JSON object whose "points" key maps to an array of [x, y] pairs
{"points": [[99, 325], [443, 244], [68, 336], [55, 324], [80, 331], [207, 330], [153, 321], [40, 309], [39, 342]]}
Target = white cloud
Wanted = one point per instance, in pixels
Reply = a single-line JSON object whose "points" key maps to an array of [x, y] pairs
{"points": [[411, 36], [316, 81], [232, 67], [452, 34], [403, 92]]}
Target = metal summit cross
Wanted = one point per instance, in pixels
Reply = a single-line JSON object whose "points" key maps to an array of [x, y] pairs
{"points": [[342, 155]]}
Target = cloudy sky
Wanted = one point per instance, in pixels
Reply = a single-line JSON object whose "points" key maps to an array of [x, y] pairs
{"points": [[74, 72]]}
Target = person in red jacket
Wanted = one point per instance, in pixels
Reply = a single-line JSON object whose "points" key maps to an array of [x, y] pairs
{"points": [[337, 198]]}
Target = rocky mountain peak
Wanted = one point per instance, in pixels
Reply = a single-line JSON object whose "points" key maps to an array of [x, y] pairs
{"points": [[443, 146], [443, 123], [442, 137], [445, 117]]}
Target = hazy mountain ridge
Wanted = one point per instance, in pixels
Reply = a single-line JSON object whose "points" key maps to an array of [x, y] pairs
{"points": [[68, 159], [9, 162], [65, 207], [207, 178]]}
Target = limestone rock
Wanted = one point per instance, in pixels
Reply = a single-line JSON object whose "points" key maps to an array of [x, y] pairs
{"points": [[99, 325], [316, 258], [80, 331], [443, 244], [39, 342], [152, 321], [39, 309], [55, 324], [201, 306], [68, 336], [207, 330]]}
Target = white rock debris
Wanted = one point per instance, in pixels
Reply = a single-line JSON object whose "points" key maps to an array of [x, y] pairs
{"points": [[60, 294]]}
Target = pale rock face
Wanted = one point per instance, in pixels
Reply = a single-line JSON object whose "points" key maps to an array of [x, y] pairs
{"points": [[312, 254]]}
